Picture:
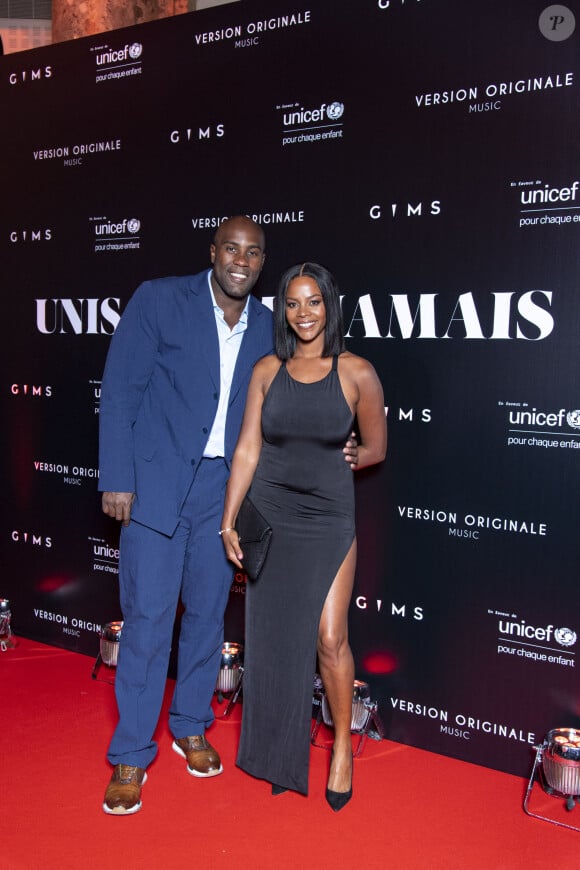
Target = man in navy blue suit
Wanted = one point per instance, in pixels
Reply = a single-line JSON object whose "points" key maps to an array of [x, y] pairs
{"points": [[172, 401]]}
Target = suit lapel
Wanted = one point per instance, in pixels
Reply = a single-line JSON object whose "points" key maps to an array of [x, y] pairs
{"points": [[205, 330], [247, 355]]}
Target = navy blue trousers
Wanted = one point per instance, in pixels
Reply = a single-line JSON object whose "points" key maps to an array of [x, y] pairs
{"points": [[154, 572]]}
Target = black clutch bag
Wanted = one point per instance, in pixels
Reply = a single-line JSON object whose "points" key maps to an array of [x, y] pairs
{"points": [[255, 535]]}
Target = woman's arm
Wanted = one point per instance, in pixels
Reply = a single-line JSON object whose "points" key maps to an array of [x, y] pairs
{"points": [[246, 455], [370, 412]]}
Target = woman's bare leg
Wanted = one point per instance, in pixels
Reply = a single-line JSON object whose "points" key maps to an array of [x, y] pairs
{"points": [[337, 670]]}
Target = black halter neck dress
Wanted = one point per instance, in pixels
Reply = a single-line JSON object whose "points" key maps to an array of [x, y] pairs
{"points": [[304, 488]]}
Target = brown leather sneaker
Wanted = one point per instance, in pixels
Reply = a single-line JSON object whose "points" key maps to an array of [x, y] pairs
{"points": [[123, 795], [202, 758]]}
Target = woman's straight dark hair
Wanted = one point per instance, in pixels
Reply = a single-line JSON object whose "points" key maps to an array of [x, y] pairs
{"points": [[285, 338]]}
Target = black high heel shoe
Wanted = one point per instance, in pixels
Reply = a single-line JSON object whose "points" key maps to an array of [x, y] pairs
{"points": [[339, 799], [278, 789]]}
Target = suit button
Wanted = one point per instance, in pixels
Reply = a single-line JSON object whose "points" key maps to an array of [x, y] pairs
{"points": [[204, 430], [215, 395]]}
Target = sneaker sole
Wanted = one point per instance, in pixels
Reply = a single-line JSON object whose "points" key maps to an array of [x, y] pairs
{"points": [[121, 811], [179, 750]]}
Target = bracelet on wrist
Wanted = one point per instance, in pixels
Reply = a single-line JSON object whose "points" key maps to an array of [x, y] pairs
{"points": [[229, 529]]}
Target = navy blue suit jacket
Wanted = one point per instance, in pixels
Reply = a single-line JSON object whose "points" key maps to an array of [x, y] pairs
{"points": [[160, 393]]}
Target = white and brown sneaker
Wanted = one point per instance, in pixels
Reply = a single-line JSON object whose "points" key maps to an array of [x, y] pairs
{"points": [[123, 794], [202, 759]]}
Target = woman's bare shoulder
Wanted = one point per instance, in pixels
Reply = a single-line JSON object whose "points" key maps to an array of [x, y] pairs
{"points": [[265, 371], [267, 365], [356, 366]]}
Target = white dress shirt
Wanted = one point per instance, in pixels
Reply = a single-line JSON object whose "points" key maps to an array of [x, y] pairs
{"points": [[230, 341]]}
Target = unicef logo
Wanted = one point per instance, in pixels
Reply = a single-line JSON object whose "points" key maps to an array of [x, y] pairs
{"points": [[565, 636], [335, 111], [133, 225], [573, 419], [135, 50]]}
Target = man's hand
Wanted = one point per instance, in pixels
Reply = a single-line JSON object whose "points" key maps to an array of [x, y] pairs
{"points": [[118, 505], [350, 451]]}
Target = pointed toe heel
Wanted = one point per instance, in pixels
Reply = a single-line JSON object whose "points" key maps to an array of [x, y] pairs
{"points": [[278, 789], [338, 799]]}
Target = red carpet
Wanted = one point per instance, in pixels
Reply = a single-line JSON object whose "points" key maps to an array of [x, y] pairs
{"points": [[411, 809]]}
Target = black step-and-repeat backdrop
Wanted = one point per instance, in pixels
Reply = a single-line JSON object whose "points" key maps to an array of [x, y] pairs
{"points": [[429, 156]]}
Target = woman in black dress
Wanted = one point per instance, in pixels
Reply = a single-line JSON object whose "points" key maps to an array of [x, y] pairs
{"points": [[299, 412]]}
